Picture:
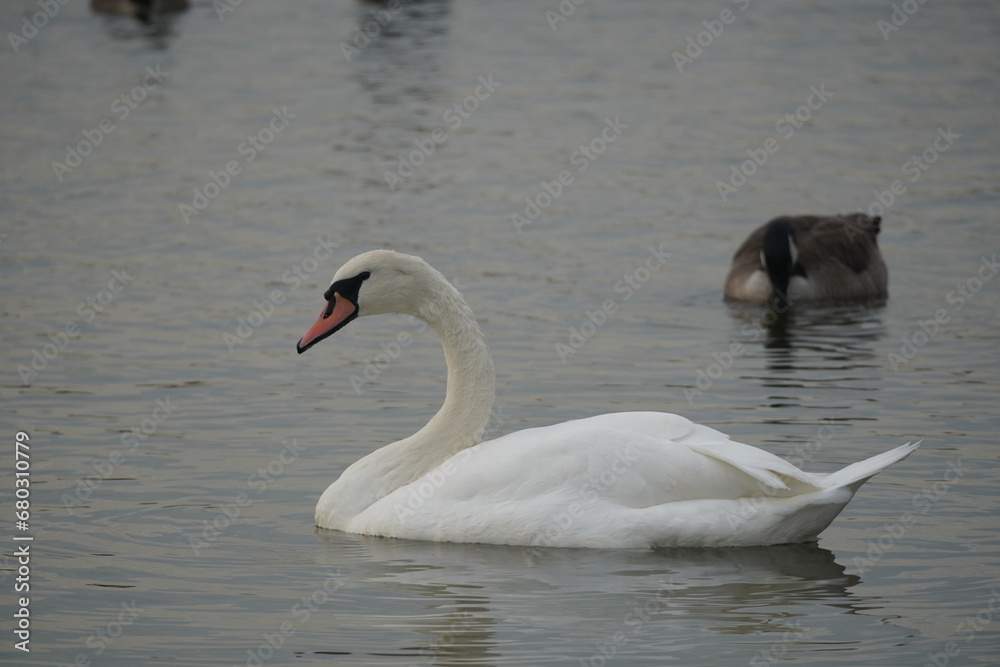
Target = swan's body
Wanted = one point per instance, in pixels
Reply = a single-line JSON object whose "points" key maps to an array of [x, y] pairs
{"points": [[622, 480], [810, 258]]}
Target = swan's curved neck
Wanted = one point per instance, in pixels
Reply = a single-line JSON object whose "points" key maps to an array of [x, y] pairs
{"points": [[463, 418], [459, 423]]}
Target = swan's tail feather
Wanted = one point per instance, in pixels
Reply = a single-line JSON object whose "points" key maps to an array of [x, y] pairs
{"points": [[858, 473]]}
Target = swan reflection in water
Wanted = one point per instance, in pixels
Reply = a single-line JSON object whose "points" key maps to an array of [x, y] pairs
{"points": [[469, 592]]}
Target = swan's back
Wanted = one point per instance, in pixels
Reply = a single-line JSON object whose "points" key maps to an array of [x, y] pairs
{"points": [[622, 480]]}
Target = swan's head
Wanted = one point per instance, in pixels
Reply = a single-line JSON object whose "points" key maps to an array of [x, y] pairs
{"points": [[373, 283]]}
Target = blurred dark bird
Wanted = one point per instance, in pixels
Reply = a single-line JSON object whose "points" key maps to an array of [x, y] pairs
{"points": [[139, 8], [810, 258]]}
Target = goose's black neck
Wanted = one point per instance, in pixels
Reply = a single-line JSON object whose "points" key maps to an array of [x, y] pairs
{"points": [[780, 258]]}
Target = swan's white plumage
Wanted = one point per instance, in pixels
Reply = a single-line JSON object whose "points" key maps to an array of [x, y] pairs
{"points": [[621, 480], [613, 481]]}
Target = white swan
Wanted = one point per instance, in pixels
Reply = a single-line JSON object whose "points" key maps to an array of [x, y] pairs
{"points": [[623, 480]]}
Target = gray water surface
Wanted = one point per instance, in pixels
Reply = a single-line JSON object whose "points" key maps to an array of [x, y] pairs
{"points": [[156, 286]]}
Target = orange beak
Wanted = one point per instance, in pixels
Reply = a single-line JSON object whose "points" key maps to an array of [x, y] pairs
{"points": [[336, 313]]}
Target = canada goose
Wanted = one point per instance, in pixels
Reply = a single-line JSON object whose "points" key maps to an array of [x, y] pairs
{"points": [[810, 258]]}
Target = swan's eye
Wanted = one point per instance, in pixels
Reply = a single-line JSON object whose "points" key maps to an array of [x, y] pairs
{"points": [[348, 287]]}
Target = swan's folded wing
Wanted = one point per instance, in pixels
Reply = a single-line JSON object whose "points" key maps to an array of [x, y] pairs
{"points": [[763, 466], [636, 459]]}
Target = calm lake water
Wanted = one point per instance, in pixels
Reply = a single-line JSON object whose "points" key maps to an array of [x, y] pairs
{"points": [[176, 196]]}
